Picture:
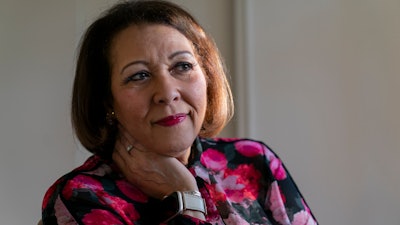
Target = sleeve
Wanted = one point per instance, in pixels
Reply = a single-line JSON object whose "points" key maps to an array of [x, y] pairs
{"points": [[88, 200], [186, 220], [284, 201], [85, 200]]}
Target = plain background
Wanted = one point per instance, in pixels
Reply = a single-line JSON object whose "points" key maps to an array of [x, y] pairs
{"points": [[317, 80]]}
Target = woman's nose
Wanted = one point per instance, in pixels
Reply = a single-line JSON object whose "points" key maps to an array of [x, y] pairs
{"points": [[166, 90]]}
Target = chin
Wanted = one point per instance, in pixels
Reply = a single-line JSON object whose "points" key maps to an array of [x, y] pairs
{"points": [[175, 148]]}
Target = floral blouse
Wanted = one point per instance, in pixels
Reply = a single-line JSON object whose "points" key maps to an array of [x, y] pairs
{"points": [[242, 181]]}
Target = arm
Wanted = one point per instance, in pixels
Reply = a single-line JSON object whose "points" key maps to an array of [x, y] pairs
{"points": [[83, 199], [283, 196]]}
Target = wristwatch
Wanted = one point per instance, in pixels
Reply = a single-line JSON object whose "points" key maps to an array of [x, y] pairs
{"points": [[179, 201]]}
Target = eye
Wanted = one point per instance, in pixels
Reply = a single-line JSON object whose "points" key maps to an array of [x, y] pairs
{"points": [[182, 67], [139, 76]]}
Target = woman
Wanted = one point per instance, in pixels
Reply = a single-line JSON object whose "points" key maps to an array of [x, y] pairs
{"points": [[150, 92]]}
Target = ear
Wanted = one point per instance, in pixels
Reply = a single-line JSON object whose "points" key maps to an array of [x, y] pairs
{"points": [[110, 118]]}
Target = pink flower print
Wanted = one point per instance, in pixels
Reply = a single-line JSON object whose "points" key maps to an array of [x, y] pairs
{"points": [[212, 211], [235, 219], [49, 193], [276, 204], [62, 213], [131, 191], [225, 139], [217, 192], [275, 165], [242, 183], [303, 218], [81, 182], [268, 153], [200, 171], [102, 170], [249, 148], [122, 207], [100, 217], [306, 208], [233, 189], [213, 160], [277, 168], [91, 162]]}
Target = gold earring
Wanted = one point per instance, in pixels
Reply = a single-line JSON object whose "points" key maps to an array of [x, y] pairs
{"points": [[110, 117]]}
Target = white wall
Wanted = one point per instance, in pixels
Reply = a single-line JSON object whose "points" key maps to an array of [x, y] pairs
{"points": [[38, 41], [321, 85], [36, 54]]}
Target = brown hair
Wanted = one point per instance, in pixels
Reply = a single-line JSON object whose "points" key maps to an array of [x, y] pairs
{"points": [[92, 98]]}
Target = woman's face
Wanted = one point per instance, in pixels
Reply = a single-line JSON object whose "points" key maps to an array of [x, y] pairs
{"points": [[158, 88]]}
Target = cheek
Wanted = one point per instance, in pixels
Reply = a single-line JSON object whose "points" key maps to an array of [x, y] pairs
{"points": [[200, 91], [125, 104]]}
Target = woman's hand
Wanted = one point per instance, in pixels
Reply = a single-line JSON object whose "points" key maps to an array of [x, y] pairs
{"points": [[156, 175]]}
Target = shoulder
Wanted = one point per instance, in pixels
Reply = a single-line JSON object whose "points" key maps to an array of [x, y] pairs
{"points": [[244, 146], [82, 175]]}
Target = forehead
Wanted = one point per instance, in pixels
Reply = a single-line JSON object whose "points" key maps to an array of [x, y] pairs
{"points": [[143, 37], [147, 42]]}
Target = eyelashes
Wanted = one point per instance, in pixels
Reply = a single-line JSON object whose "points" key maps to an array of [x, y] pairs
{"points": [[139, 76], [179, 69], [182, 67]]}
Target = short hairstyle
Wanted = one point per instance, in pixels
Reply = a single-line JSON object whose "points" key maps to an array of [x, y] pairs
{"points": [[92, 97]]}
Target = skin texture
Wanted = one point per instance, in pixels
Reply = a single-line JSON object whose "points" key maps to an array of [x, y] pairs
{"points": [[152, 79], [159, 99]]}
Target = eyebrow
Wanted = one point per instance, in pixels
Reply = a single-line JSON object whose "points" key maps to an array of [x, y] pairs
{"points": [[133, 63], [146, 63], [180, 53]]}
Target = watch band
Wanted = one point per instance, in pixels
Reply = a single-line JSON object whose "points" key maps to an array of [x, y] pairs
{"points": [[179, 201], [197, 193], [192, 200]]}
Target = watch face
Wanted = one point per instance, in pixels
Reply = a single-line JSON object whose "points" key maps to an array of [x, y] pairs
{"points": [[171, 206]]}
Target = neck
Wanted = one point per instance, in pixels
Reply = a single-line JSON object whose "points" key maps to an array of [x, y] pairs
{"points": [[185, 157]]}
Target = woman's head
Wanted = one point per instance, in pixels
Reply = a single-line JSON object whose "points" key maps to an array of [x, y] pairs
{"points": [[92, 96]]}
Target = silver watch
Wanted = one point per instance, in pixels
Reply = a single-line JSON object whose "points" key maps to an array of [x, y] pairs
{"points": [[179, 201]]}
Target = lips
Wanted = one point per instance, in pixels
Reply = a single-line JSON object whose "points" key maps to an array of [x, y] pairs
{"points": [[171, 120]]}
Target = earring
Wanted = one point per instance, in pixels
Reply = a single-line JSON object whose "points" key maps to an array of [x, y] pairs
{"points": [[110, 117]]}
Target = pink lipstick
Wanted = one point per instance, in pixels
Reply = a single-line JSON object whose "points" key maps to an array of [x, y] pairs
{"points": [[171, 120]]}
